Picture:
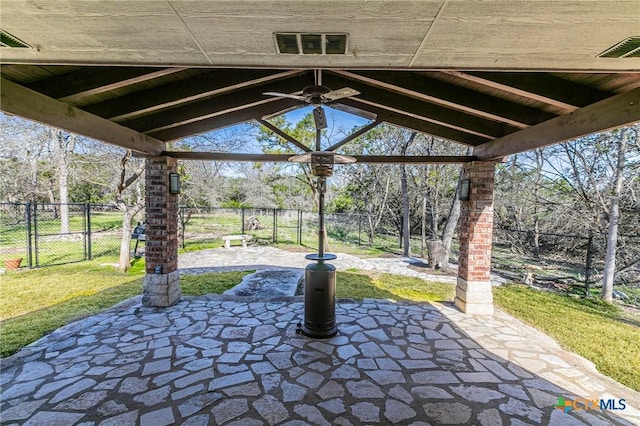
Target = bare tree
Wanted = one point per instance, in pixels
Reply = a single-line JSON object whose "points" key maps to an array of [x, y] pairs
{"points": [[614, 217], [63, 145], [129, 199]]}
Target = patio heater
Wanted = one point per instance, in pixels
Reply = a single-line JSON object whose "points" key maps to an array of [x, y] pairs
{"points": [[320, 277]]}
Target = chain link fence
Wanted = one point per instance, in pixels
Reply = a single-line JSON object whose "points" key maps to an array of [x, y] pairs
{"points": [[36, 234]]}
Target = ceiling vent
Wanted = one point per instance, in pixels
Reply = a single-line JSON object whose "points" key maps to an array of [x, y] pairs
{"points": [[311, 43], [627, 48], [8, 40]]}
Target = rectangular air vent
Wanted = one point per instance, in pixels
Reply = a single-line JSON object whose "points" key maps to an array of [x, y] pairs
{"points": [[311, 43], [627, 48], [8, 40]]}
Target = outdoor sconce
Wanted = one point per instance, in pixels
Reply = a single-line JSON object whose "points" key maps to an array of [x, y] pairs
{"points": [[463, 195], [174, 183]]}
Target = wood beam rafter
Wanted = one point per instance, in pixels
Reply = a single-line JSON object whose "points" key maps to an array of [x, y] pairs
{"points": [[270, 107], [562, 94], [283, 158], [451, 96], [214, 106], [401, 119], [354, 135], [216, 82], [620, 110], [284, 135], [24, 102], [73, 86], [430, 112]]}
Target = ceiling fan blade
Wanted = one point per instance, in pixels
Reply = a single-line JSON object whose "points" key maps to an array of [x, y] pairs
{"points": [[355, 111], [286, 95], [345, 92], [300, 158], [343, 159]]}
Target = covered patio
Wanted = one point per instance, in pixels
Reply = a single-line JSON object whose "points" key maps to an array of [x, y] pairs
{"points": [[502, 77]]}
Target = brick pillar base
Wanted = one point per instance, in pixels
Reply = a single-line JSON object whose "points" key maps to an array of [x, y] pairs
{"points": [[473, 291], [162, 281]]}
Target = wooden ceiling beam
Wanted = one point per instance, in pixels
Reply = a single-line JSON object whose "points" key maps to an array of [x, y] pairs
{"points": [[284, 158], [563, 94], [217, 105], [216, 82], [27, 103], [218, 122], [284, 135], [620, 110], [409, 122], [73, 86], [430, 112], [451, 96]]}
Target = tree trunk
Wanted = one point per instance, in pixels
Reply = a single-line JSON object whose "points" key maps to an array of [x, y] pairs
{"points": [[124, 263], [614, 218], [63, 146], [450, 226], [406, 231]]}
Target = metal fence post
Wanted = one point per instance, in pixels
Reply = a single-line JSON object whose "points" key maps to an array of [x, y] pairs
{"points": [[35, 233], [242, 215], [27, 219], [274, 238], [299, 227], [359, 229], [88, 230]]}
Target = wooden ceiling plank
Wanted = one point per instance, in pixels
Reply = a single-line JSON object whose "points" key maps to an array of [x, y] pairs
{"points": [[452, 96], [147, 101], [620, 110], [545, 88], [214, 106], [74, 85], [419, 125], [284, 158], [444, 116], [284, 135], [27, 103], [230, 119]]}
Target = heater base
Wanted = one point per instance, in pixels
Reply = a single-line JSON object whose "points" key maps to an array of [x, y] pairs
{"points": [[317, 334]]}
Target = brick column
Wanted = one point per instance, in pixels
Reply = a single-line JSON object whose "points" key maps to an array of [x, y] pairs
{"points": [[162, 281], [473, 292]]}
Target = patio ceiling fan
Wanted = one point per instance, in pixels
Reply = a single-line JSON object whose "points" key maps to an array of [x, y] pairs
{"points": [[318, 94]]}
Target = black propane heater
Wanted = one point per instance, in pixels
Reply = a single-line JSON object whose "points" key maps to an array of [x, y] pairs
{"points": [[320, 277]]}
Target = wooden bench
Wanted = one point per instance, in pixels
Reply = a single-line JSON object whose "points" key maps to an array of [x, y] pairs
{"points": [[228, 238]]}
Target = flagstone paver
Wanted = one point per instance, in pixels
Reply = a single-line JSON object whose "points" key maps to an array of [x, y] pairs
{"points": [[232, 360]]}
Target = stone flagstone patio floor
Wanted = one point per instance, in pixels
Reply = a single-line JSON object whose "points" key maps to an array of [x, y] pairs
{"points": [[231, 360]]}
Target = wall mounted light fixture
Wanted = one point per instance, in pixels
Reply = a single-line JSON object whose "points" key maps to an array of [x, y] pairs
{"points": [[463, 194], [174, 183]]}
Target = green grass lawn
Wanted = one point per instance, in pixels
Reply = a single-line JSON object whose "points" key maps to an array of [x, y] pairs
{"points": [[600, 332]]}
